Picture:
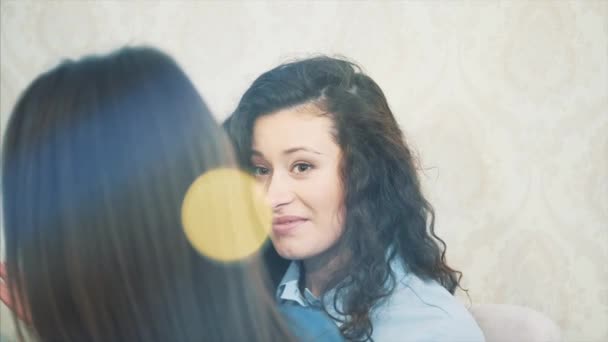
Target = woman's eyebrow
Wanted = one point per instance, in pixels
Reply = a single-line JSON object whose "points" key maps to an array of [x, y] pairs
{"points": [[300, 148], [256, 153]]}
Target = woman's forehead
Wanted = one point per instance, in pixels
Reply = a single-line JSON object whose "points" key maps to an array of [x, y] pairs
{"points": [[291, 128]]}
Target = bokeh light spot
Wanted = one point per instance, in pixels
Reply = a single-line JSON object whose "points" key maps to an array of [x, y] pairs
{"points": [[224, 216]]}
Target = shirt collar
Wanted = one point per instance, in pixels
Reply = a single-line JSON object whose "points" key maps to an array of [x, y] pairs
{"points": [[288, 289]]}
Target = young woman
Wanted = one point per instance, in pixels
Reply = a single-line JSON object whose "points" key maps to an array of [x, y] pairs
{"points": [[352, 231], [97, 158]]}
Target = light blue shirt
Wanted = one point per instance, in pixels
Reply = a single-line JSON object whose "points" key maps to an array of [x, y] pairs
{"points": [[417, 310]]}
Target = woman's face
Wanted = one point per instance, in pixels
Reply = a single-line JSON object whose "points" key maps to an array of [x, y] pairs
{"points": [[296, 160]]}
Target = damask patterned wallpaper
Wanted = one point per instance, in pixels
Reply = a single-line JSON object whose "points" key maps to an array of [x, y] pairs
{"points": [[506, 103]]}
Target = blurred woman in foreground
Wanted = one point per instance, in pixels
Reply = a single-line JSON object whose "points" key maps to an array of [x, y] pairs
{"points": [[97, 158]]}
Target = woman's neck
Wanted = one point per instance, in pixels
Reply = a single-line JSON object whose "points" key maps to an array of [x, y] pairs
{"points": [[320, 270]]}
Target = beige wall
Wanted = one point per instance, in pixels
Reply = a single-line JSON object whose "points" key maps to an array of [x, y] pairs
{"points": [[506, 102]]}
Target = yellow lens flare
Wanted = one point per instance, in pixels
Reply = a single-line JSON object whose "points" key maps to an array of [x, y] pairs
{"points": [[224, 216]]}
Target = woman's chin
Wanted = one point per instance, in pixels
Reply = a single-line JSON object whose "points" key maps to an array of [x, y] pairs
{"points": [[291, 252]]}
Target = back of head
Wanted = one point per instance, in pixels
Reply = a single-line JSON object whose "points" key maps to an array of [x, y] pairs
{"points": [[97, 157]]}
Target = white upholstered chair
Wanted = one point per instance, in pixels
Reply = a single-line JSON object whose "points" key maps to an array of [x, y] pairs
{"points": [[509, 323]]}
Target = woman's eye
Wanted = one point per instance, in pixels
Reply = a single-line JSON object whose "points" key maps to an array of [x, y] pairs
{"points": [[301, 167], [260, 171]]}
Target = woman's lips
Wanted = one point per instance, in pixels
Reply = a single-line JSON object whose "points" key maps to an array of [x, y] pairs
{"points": [[285, 224]]}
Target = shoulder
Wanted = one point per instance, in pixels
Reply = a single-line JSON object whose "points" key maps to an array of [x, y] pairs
{"points": [[309, 324], [421, 310]]}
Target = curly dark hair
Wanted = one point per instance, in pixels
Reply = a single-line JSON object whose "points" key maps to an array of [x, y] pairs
{"points": [[387, 216]]}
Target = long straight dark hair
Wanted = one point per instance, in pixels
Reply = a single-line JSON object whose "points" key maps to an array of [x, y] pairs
{"points": [[387, 216], [97, 158]]}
